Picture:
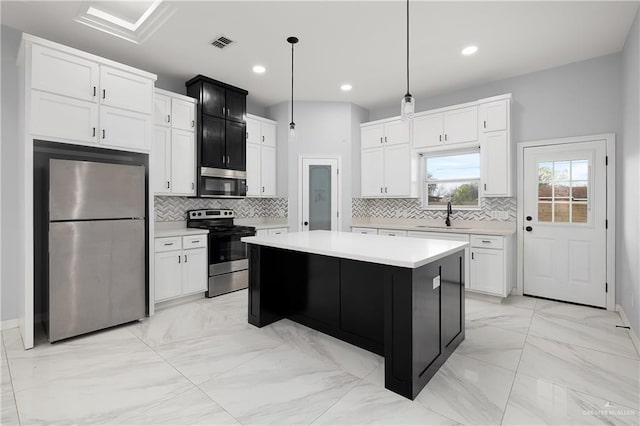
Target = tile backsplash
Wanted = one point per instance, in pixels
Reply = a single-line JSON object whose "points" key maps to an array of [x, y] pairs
{"points": [[168, 209], [410, 208]]}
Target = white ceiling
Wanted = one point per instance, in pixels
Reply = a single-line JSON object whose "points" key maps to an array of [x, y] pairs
{"points": [[362, 43]]}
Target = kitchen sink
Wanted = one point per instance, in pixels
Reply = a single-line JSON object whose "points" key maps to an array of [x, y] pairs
{"points": [[442, 227]]}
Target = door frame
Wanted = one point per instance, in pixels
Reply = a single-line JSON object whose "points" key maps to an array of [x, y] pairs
{"points": [[301, 158], [610, 139]]}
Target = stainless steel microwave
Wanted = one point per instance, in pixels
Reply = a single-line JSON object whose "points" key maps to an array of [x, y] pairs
{"points": [[222, 183]]}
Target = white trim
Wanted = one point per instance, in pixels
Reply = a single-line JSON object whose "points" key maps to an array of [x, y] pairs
{"points": [[610, 139], [262, 119], [9, 324], [302, 157], [185, 98], [632, 332]]}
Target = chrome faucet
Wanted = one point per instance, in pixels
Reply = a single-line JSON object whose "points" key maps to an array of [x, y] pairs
{"points": [[449, 212]]}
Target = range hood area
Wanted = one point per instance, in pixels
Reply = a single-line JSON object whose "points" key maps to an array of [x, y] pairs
{"points": [[221, 138]]}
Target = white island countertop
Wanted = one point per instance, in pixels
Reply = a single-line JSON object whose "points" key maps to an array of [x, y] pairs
{"points": [[395, 251]]}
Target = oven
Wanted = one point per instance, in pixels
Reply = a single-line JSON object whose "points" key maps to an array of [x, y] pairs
{"points": [[222, 183], [228, 262]]}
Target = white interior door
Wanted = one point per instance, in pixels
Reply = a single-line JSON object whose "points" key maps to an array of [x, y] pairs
{"points": [[319, 194], [565, 194]]}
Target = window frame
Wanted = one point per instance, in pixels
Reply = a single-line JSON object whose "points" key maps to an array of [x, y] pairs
{"points": [[424, 199]]}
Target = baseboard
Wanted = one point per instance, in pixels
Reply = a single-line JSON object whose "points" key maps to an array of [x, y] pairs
{"points": [[9, 324], [632, 332]]}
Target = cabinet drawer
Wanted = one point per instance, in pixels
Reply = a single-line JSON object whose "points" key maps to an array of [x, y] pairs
{"points": [[278, 231], [372, 231], [168, 244], [392, 232], [194, 241], [439, 236], [487, 241]]}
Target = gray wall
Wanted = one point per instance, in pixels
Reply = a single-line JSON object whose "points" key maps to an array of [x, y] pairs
{"points": [[9, 155], [572, 100], [628, 179]]}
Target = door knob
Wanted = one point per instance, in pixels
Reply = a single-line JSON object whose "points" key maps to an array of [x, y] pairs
{"points": [[529, 218], [528, 229], [306, 223]]}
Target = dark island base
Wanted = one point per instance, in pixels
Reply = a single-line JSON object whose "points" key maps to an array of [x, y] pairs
{"points": [[391, 311]]}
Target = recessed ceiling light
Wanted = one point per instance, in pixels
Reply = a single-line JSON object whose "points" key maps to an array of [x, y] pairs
{"points": [[345, 87], [259, 69], [469, 50]]}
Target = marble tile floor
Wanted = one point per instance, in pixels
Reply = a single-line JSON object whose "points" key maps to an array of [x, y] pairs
{"points": [[524, 362]]}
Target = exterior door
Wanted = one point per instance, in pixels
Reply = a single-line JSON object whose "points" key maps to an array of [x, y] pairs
{"points": [[565, 213], [319, 194]]}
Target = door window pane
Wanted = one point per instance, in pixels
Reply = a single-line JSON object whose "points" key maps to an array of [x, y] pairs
{"points": [[563, 191], [319, 198]]}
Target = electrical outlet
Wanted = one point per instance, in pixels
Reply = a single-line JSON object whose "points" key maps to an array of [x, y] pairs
{"points": [[500, 215]]}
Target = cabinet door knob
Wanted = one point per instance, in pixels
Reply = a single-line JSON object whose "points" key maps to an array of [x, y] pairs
{"points": [[528, 229], [306, 223], [529, 218]]}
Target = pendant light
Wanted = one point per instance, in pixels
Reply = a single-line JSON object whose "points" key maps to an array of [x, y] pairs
{"points": [[292, 125], [408, 104]]}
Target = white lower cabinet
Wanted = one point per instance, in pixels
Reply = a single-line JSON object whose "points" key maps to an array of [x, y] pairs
{"points": [[278, 231], [180, 266], [392, 232], [370, 231], [450, 237]]}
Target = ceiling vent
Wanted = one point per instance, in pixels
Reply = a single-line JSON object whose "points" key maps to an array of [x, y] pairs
{"points": [[222, 42]]}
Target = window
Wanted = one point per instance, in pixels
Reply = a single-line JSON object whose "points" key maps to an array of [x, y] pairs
{"points": [[452, 177], [563, 191]]}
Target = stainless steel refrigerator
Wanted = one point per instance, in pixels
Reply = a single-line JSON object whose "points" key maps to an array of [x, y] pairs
{"points": [[97, 249]]}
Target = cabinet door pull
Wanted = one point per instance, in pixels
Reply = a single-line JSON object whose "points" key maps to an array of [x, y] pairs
{"points": [[485, 124], [168, 185], [195, 241], [94, 91], [385, 139], [247, 135], [179, 259], [223, 162], [94, 132], [445, 137], [440, 138], [486, 241], [228, 160], [104, 93], [104, 135], [168, 244], [193, 123], [185, 258], [472, 256], [193, 185], [222, 110], [385, 189], [168, 118], [263, 138], [485, 186], [380, 139], [381, 191]]}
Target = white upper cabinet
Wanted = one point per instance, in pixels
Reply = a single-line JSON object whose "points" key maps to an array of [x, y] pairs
{"points": [[60, 117], [174, 138], [253, 131], [68, 75], [397, 132], [371, 136], [372, 172], [445, 128], [261, 157], [125, 129], [122, 89], [494, 116], [76, 97], [397, 170], [461, 125], [268, 171], [183, 163], [496, 165], [183, 114], [161, 109], [160, 169], [268, 131], [428, 130]]}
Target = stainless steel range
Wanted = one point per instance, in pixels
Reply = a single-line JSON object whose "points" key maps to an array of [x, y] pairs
{"points": [[228, 263]]}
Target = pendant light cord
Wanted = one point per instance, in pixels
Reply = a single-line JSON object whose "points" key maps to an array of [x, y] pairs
{"points": [[292, 82], [407, 47]]}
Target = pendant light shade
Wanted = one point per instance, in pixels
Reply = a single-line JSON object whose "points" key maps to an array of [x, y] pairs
{"points": [[408, 103], [292, 124]]}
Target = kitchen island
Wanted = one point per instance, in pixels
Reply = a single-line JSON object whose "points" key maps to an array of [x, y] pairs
{"points": [[402, 298]]}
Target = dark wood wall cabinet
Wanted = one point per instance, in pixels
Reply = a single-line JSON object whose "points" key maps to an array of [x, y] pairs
{"points": [[221, 123]]}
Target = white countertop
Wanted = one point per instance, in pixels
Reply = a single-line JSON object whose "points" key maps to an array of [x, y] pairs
{"points": [[176, 229], [263, 222], [395, 251], [437, 225]]}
